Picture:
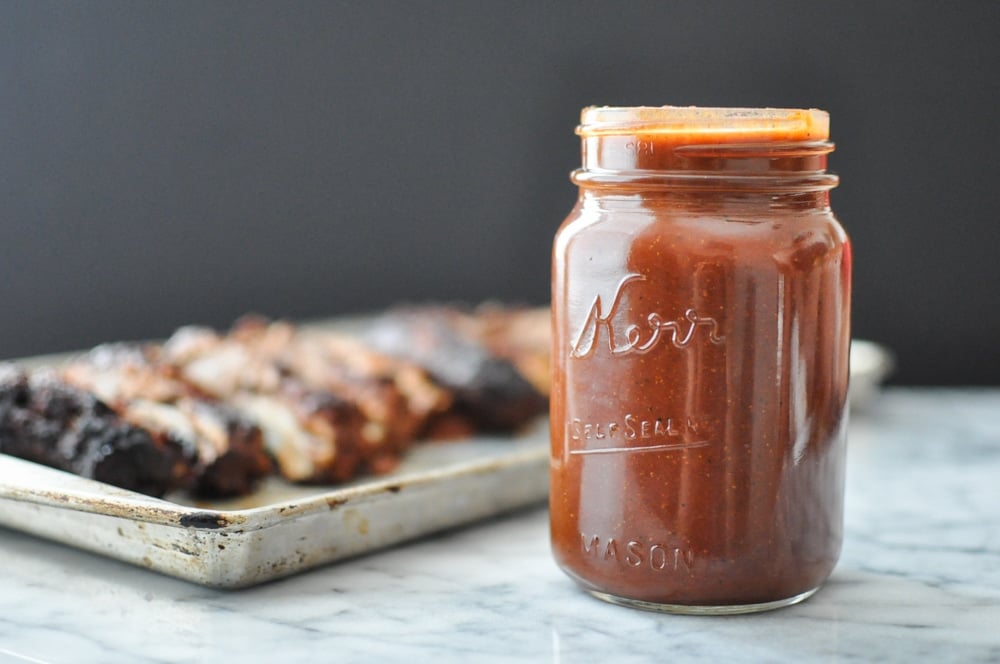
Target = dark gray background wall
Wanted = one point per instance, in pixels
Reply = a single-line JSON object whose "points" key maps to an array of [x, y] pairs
{"points": [[169, 163]]}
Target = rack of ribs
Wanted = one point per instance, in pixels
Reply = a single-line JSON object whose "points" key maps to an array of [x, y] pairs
{"points": [[493, 361], [329, 407], [224, 448], [46, 420]]}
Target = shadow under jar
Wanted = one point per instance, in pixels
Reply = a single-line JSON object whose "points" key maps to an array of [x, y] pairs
{"points": [[701, 301]]}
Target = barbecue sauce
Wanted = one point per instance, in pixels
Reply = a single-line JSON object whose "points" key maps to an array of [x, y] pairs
{"points": [[701, 290]]}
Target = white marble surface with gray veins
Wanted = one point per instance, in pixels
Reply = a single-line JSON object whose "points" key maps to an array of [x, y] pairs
{"points": [[919, 580]]}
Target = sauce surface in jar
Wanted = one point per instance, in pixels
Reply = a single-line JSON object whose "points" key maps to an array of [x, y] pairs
{"points": [[701, 298]]}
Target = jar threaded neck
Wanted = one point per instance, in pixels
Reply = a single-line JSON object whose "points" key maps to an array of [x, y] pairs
{"points": [[705, 148]]}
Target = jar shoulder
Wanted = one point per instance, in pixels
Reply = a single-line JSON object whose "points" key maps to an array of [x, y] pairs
{"points": [[733, 230]]}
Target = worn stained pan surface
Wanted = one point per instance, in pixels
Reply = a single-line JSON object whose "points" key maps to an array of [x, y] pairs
{"points": [[281, 528]]}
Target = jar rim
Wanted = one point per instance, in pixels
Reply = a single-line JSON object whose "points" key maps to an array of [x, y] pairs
{"points": [[694, 124]]}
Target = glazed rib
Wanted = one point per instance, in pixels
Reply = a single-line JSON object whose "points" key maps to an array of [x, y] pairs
{"points": [[359, 410], [314, 436], [46, 420], [489, 390], [226, 449]]}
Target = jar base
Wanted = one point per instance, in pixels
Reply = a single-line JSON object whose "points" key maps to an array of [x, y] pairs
{"points": [[704, 610]]}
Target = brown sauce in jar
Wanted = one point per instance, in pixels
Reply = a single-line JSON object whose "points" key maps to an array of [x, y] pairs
{"points": [[701, 292]]}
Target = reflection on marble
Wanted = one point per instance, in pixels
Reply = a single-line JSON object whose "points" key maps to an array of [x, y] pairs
{"points": [[919, 580]]}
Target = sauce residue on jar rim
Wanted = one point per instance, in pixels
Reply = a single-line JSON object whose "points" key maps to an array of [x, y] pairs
{"points": [[693, 124]]}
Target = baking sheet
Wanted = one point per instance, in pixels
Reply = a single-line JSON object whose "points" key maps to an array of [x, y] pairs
{"points": [[281, 528]]}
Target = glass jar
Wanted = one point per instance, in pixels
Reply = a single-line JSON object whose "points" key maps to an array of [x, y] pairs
{"points": [[701, 300]]}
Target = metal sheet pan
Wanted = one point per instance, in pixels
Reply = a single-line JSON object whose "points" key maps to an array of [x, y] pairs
{"points": [[281, 529]]}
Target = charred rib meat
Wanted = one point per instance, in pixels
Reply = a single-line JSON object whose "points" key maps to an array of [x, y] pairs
{"points": [[226, 449], [46, 420], [488, 388], [328, 407]]}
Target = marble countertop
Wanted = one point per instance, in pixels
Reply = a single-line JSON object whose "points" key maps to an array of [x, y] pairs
{"points": [[919, 580]]}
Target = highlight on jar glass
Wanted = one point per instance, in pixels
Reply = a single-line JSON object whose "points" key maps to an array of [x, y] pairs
{"points": [[701, 336]]}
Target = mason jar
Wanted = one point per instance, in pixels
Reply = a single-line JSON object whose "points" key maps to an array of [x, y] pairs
{"points": [[701, 304]]}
